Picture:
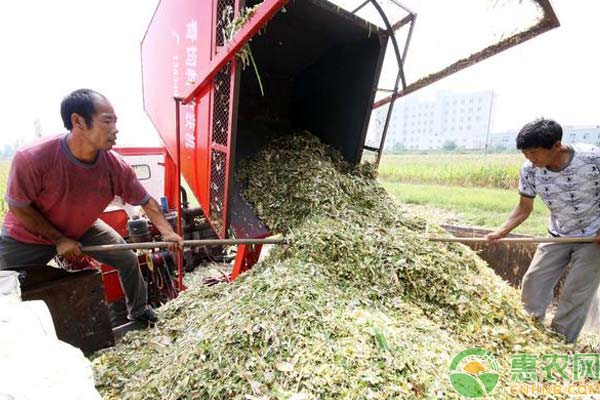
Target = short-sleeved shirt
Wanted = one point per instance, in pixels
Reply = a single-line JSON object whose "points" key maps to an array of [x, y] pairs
{"points": [[572, 193], [69, 193]]}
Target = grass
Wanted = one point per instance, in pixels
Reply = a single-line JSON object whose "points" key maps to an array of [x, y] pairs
{"points": [[472, 170], [480, 207], [4, 167]]}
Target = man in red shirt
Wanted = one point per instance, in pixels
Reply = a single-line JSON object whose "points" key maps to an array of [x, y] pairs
{"points": [[59, 186]]}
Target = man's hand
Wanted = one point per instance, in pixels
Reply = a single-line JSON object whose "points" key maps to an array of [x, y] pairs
{"points": [[154, 212], [518, 215], [597, 237], [494, 236], [176, 239], [68, 248]]}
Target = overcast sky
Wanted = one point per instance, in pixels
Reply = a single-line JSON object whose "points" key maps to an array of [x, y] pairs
{"points": [[554, 75], [50, 48]]}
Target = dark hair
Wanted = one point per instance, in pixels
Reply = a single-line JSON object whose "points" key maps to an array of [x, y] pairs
{"points": [[82, 102], [539, 133]]}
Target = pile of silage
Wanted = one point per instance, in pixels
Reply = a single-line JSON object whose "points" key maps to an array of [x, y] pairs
{"points": [[358, 307]]}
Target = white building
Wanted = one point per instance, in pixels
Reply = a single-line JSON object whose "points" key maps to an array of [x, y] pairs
{"points": [[581, 134], [461, 118], [571, 134]]}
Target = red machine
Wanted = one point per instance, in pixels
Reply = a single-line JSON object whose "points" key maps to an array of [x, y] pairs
{"points": [[319, 65], [158, 267]]}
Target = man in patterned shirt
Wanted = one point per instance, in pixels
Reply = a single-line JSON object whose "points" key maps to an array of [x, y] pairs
{"points": [[567, 179]]}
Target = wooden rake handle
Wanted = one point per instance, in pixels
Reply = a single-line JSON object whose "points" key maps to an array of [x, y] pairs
{"points": [[186, 243], [574, 239]]}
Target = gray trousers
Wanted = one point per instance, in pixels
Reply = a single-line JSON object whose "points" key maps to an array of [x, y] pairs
{"points": [[579, 288], [14, 253]]}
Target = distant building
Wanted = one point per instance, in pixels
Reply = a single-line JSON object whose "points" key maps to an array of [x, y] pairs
{"points": [[459, 118], [571, 134], [581, 134], [500, 141]]}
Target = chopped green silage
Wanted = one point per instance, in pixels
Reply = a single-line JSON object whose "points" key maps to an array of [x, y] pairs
{"points": [[359, 306]]}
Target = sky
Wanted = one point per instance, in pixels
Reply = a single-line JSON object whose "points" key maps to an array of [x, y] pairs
{"points": [[554, 75], [50, 48]]}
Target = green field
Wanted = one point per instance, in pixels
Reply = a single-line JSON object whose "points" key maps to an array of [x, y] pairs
{"points": [[477, 207], [4, 165], [474, 170], [478, 190]]}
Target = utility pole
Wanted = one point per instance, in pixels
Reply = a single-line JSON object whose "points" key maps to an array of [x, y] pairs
{"points": [[38, 127], [487, 135]]}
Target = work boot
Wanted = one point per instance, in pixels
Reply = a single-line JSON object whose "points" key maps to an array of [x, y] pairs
{"points": [[148, 316]]}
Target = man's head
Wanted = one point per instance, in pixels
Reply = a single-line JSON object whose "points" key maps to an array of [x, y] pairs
{"points": [[540, 141], [89, 115]]}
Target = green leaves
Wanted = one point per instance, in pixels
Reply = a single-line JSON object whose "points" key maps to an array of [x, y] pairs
{"points": [[358, 307]]}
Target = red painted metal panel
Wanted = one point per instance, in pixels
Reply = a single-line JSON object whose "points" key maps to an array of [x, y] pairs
{"points": [[266, 11], [139, 151], [177, 42], [171, 189], [172, 51], [112, 284], [247, 256], [117, 219]]}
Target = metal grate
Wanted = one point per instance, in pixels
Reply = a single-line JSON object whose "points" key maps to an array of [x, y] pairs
{"points": [[222, 95], [224, 18], [217, 189], [220, 123]]}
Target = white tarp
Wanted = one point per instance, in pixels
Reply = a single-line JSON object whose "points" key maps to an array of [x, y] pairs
{"points": [[34, 364]]}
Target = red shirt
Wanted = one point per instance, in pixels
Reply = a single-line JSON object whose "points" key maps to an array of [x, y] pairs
{"points": [[70, 194]]}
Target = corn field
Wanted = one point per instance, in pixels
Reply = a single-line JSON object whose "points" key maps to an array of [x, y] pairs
{"points": [[4, 166], [472, 170]]}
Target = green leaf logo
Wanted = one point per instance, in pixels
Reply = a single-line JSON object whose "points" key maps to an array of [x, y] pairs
{"points": [[474, 373]]}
